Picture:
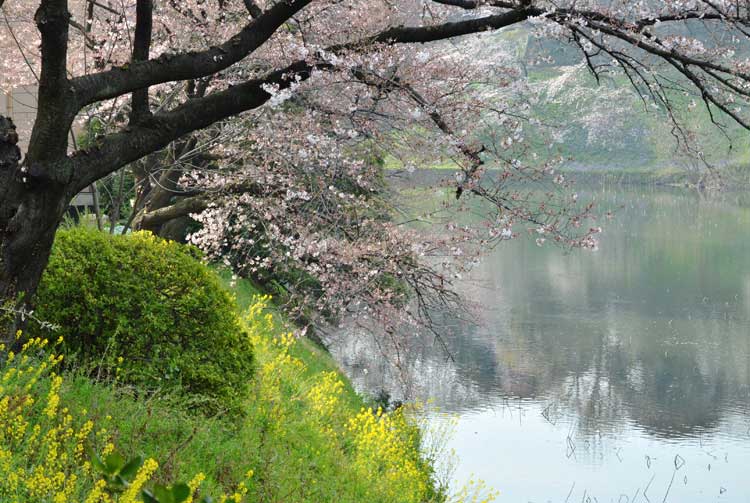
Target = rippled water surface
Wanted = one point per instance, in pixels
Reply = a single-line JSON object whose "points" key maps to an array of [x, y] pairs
{"points": [[622, 375]]}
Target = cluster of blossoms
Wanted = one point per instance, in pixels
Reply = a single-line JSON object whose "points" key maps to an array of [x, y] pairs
{"points": [[300, 195], [316, 224]]}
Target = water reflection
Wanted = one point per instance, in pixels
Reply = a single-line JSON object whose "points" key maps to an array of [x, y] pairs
{"points": [[613, 365]]}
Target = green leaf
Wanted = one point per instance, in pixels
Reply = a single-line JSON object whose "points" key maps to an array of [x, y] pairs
{"points": [[148, 497], [118, 484], [96, 462], [131, 468], [113, 462], [180, 492], [163, 494]]}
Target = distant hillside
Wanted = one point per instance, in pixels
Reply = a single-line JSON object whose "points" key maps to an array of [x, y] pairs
{"points": [[606, 125]]}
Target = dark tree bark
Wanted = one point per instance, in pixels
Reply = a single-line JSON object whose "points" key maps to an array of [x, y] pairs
{"points": [[141, 48], [30, 211]]}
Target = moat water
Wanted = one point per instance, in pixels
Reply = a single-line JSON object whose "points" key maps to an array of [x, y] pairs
{"points": [[621, 375]]}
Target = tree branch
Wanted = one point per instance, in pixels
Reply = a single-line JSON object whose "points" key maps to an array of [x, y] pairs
{"points": [[424, 34], [158, 131], [197, 203], [141, 48], [185, 66], [252, 8], [49, 139], [182, 208], [464, 4]]}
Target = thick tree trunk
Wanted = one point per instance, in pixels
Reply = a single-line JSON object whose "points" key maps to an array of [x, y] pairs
{"points": [[30, 212]]}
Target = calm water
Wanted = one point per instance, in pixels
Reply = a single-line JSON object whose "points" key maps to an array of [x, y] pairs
{"points": [[616, 376]]}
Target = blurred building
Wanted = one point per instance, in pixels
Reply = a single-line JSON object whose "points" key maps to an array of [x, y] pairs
{"points": [[20, 105]]}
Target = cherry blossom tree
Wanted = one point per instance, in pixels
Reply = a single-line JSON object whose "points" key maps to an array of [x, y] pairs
{"points": [[307, 75]]}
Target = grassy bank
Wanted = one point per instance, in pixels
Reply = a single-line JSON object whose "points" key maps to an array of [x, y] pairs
{"points": [[316, 359], [305, 434]]}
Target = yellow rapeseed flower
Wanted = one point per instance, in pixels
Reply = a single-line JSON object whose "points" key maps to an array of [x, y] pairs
{"points": [[144, 474]]}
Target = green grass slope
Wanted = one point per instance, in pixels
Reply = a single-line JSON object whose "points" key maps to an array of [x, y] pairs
{"points": [[305, 434]]}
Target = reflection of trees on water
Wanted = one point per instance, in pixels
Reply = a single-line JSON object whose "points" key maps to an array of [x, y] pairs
{"points": [[652, 330], [670, 389]]}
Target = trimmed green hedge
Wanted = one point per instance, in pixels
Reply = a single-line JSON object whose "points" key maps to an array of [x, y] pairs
{"points": [[148, 311]]}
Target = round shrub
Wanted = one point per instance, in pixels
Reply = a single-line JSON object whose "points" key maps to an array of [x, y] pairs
{"points": [[149, 311]]}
